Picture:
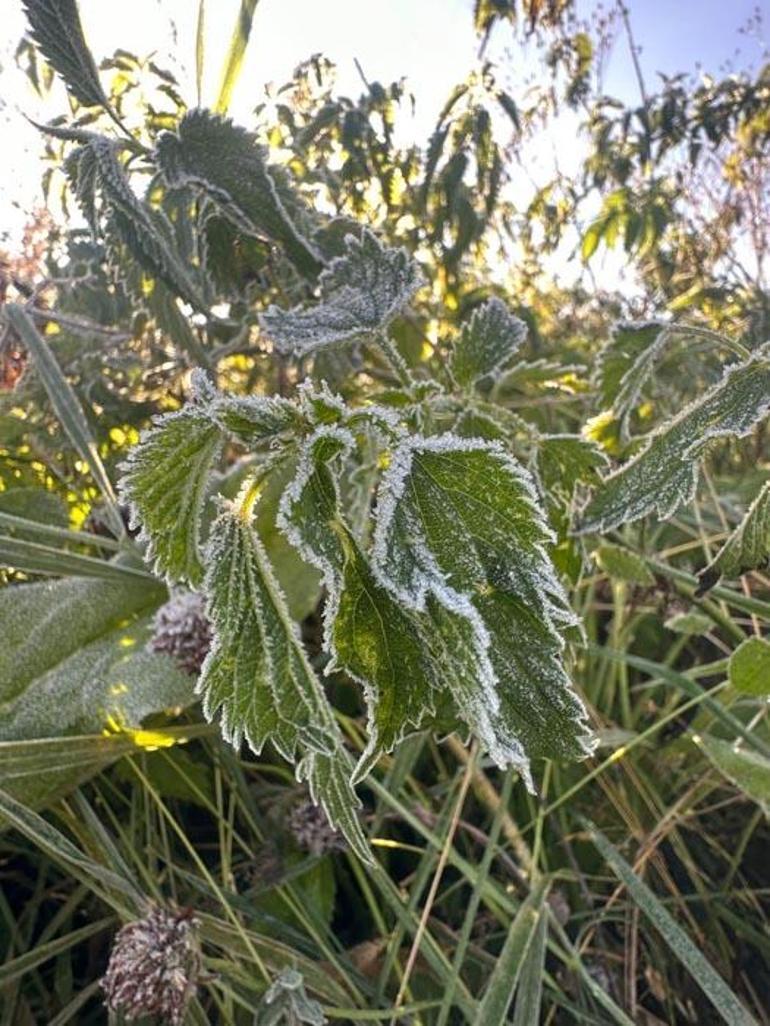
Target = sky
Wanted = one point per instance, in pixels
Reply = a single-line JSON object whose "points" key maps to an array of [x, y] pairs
{"points": [[430, 42]]}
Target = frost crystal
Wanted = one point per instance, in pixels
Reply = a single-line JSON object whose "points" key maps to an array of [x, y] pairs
{"points": [[182, 630], [664, 474], [361, 292], [154, 966]]}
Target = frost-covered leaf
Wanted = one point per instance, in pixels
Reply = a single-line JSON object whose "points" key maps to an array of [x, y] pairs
{"points": [[747, 548], [361, 293], [749, 771], [563, 460], [108, 201], [623, 564], [458, 521], [625, 363], [487, 342], [664, 474], [256, 419], [224, 161], [749, 667], [57, 31], [257, 677], [285, 1002], [164, 479], [368, 633]]}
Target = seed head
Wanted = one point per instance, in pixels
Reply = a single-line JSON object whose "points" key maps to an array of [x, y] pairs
{"points": [[312, 830], [182, 630], [154, 966]]}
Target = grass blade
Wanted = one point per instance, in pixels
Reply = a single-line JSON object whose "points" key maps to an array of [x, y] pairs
{"points": [[530, 992], [32, 557], [200, 49], [708, 979], [235, 54], [66, 407], [493, 1009]]}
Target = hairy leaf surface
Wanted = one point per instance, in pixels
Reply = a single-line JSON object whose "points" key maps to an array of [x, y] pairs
{"points": [[747, 548], [57, 31], [225, 162], [361, 293], [164, 479], [257, 677], [457, 521], [664, 475], [487, 342]]}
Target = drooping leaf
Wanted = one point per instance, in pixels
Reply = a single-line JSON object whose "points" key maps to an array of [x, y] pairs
{"points": [[457, 519], [66, 406], [747, 548], [749, 667], [748, 771], [105, 194], [361, 293], [257, 677], [664, 474], [624, 365], [57, 31], [623, 565], [368, 633], [164, 480], [487, 342], [225, 163]]}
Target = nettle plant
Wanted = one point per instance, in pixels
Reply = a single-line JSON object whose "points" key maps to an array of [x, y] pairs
{"points": [[442, 599]]}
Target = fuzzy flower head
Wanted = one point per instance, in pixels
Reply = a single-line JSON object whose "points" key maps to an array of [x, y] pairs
{"points": [[182, 630], [154, 966], [312, 830]]}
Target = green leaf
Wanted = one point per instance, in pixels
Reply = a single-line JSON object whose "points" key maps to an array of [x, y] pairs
{"points": [[624, 365], [748, 771], [368, 633], [623, 564], [164, 480], [32, 557], [529, 995], [257, 676], [225, 163], [38, 505], [708, 979], [693, 621], [458, 521], [57, 31], [361, 292], [235, 54], [747, 548], [493, 1009], [487, 342], [749, 667], [564, 460], [285, 1001], [664, 474], [256, 419], [128, 222], [66, 406]]}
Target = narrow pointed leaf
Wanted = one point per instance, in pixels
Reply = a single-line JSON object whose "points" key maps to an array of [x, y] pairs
{"points": [[57, 31], [235, 54], [703, 973], [664, 474], [67, 408], [747, 548]]}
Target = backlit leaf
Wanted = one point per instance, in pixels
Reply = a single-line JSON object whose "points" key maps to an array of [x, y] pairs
{"points": [[361, 293], [664, 474], [57, 31], [487, 342], [747, 548]]}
